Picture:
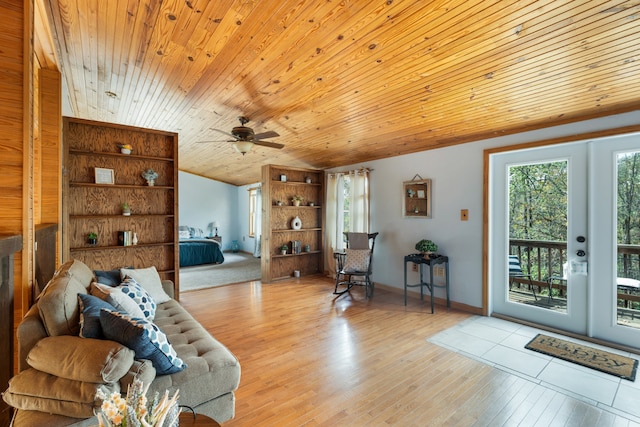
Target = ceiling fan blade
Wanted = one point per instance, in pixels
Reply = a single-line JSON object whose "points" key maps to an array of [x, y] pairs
{"points": [[267, 134], [225, 133], [219, 140], [268, 144]]}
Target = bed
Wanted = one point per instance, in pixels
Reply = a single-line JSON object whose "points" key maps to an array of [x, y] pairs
{"points": [[197, 250]]}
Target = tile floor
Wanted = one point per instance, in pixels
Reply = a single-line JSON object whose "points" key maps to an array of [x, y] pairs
{"points": [[500, 343]]}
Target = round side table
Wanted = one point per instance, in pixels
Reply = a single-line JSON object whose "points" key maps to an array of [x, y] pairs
{"points": [[186, 419]]}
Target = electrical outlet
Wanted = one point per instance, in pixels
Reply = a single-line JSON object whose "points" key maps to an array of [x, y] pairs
{"points": [[464, 214], [414, 267]]}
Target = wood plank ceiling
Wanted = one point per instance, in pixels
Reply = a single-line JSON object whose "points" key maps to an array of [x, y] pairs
{"points": [[343, 82]]}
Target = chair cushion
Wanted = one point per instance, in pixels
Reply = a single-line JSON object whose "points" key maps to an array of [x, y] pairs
{"points": [[357, 259], [143, 337], [80, 359], [514, 266]]}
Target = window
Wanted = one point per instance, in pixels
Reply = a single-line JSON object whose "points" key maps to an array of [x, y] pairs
{"points": [[253, 205]]}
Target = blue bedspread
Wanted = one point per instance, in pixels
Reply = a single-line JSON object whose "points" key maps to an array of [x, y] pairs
{"points": [[200, 251]]}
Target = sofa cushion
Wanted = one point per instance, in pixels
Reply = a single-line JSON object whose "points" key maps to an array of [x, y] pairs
{"points": [[141, 297], [142, 370], [58, 302], [143, 337], [38, 391], [150, 280], [90, 315], [108, 277], [117, 299], [213, 369], [81, 359], [78, 270]]}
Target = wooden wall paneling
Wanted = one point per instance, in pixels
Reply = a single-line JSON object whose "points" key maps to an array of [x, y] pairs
{"points": [[9, 245], [51, 149], [90, 207]]}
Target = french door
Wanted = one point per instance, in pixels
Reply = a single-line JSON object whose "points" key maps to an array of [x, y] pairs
{"points": [[558, 210]]}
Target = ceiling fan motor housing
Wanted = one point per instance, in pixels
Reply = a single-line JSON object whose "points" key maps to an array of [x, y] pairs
{"points": [[243, 133]]}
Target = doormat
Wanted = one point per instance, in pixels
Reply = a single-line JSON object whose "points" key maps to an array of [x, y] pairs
{"points": [[600, 360]]}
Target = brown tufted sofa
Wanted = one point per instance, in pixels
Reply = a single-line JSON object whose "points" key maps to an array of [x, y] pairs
{"points": [[60, 371]]}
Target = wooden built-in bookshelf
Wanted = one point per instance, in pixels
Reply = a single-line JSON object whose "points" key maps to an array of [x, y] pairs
{"points": [[88, 206], [277, 220]]}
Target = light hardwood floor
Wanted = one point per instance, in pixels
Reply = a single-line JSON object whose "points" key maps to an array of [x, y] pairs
{"points": [[310, 359]]}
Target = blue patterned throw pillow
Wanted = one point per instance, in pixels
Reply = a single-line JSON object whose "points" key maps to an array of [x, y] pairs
{"points": [[144, 338], [89, 307], [133, 290]]}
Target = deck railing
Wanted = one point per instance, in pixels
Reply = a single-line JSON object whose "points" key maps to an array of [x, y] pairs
{"points": [[543, 259]]}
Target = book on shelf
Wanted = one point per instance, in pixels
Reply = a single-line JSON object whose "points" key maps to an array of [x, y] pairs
{"points": [[125, 238]]}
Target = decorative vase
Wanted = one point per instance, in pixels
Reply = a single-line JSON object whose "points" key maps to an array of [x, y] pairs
{"points": [[135, 239], [151, 182], [126, 213], [125, 151], [92, 242], [307, 180], [283, 252], [296, 203], [296, 223]]}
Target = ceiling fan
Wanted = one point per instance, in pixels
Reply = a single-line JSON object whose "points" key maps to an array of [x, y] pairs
{"points": [[244, 138]]}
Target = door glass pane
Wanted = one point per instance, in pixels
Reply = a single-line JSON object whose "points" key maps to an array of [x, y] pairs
{"points": [[538, 195], [628, 227]]}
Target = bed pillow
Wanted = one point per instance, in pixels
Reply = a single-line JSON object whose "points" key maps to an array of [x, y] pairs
{"points": [[144, 338], [184, 234], [149, 279]]}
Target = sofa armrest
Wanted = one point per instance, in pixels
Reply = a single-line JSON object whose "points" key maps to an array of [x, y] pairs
{"points": [[29, 332], [168, 287]]}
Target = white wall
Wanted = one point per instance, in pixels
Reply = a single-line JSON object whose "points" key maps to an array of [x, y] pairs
{"points": [[202, 201], [457, 183]]}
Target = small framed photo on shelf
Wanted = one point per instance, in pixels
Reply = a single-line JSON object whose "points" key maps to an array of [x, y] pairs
{"points": [[104, 176], [420, 194]]}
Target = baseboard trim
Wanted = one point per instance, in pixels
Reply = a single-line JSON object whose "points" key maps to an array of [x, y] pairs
{"points": [[438, 301]]}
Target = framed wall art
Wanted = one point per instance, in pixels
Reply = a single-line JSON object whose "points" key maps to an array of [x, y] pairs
{"points": [[104, 176], [416, 198]]}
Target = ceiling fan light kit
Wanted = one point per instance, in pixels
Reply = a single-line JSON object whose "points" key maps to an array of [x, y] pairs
{"points": [[243, 147], [244, 138]]}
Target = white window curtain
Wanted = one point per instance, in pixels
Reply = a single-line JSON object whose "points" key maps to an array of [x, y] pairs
{"points": [[359, 200], [257, 224], [334, 219], [335, 214]]}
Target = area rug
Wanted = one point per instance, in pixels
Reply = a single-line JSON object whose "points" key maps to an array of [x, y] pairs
{"points": [[604, 361], [236, 268]]}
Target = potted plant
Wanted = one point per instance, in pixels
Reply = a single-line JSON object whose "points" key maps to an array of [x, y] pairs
{"points": [[92, 238], [150, 176], [283, 249], [427, 247], [125, 148], [126, 211], [297, 199]]}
